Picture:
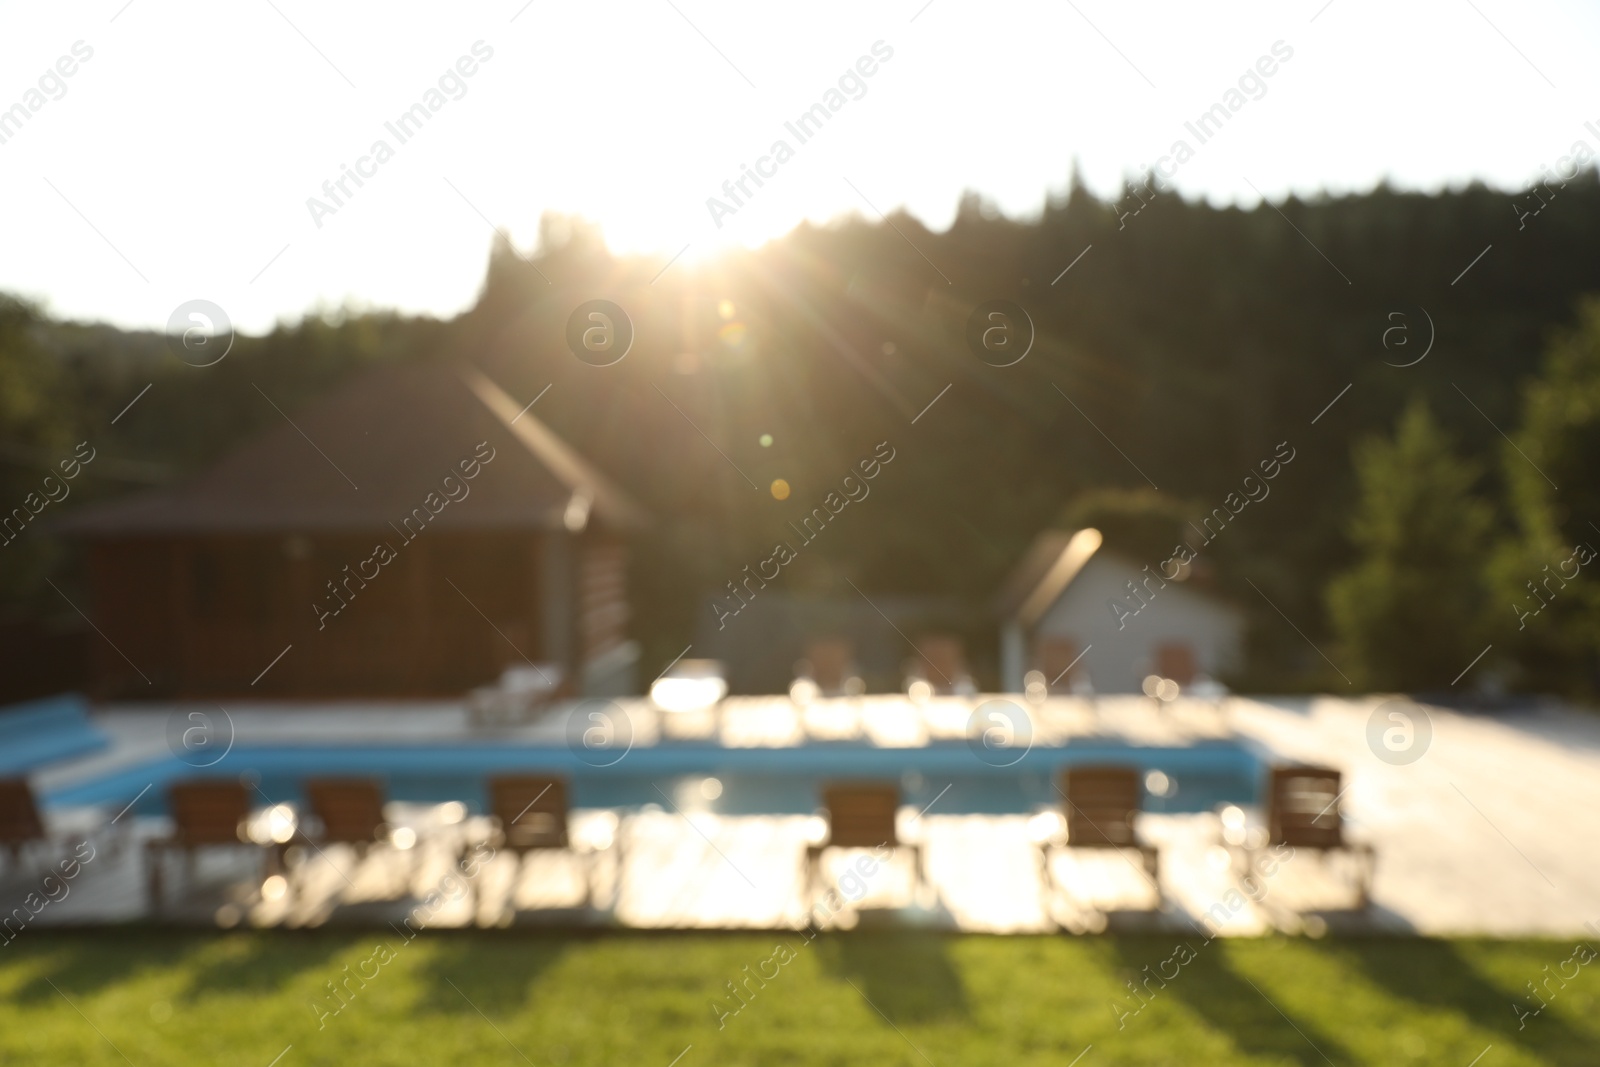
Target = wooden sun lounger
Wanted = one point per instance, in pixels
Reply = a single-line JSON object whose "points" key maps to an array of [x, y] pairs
{"points": [[861, 815], [22, 827], [350, 811], [1102, 806], [205, 814], [941, 661], [1303, 813], [530, 814], [830, 664], [20, 823]]}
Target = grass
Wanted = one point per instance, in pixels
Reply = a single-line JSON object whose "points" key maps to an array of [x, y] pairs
{"points": [[507, 997]]}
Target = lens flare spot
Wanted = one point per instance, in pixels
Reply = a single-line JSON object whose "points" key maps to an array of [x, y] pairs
{"points": [[780, 489], [733, 334], [766, 440], [725, 309]]}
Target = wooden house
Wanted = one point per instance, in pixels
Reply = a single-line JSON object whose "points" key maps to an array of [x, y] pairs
{"points": [[410, 534]]}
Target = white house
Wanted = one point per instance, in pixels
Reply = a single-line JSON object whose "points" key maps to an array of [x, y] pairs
{"points": [[1113, 621]]}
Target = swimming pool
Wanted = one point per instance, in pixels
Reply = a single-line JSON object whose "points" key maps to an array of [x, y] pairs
{"points": [[767, 781]]}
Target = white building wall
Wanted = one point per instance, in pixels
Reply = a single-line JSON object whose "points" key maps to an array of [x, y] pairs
{"points": [[1121, 658]]}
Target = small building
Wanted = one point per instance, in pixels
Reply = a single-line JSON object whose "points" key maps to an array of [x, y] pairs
{"points": [[1073, 603], [410, 534]]}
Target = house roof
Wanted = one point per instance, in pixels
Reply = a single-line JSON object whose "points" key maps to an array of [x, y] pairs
{"points": [[368, 453], [1050, 565], [1045, 571]]}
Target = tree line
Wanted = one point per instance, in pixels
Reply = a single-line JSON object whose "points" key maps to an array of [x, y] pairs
{"points": [[1435, 506]]}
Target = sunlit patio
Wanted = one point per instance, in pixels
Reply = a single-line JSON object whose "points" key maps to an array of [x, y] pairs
{"points": [[678, 831]]}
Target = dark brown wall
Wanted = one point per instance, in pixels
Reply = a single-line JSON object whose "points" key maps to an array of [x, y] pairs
{"points": [[39, 658], [602, 596], [133, 590], [204, 616]]}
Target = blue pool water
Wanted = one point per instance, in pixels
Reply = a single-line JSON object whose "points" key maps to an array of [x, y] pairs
{"points": [[771, 781], [42, 732]]}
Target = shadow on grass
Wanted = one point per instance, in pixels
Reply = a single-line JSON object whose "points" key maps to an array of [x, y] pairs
{"points": [[265, 962], [84, 964], [906, 976], [261, 963], [1230, 1003], [492, 972], [1435, 975]]}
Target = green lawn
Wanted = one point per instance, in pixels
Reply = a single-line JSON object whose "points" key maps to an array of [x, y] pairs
{"points": [[863, 998]]}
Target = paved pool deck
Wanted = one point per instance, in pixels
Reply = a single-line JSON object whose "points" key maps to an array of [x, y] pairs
{"points": [[1491, 832]]}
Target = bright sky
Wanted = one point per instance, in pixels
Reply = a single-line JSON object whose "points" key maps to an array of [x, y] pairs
{"points": [[177, 161]]}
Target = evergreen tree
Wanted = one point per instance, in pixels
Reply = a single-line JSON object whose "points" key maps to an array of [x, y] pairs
{"points": [[1409, 614], [32, 436], [1546, 575]]}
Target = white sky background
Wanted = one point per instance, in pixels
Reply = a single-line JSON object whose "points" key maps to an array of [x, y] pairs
{"points": [[193, 137]]}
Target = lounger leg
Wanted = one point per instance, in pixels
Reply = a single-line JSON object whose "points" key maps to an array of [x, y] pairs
{"points": [[808, 880], [1244, 860], [508, 911], [280, 862], [153, 856], [1366, 868], [808, 887], [618, 867], [1047, 884]]}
